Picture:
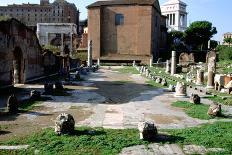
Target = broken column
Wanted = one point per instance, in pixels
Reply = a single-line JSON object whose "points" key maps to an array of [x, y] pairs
{"points": [[173, 65], [211, 72], [180, 90], [200, 77], [167, 66], [90, 53]]}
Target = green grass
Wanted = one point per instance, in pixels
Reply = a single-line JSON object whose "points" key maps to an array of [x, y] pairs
{"points": [[28, 104], [217, 135], [112, 141], [101, 141], [193, 110], [218, 99], [154, 84], [127, 69]]}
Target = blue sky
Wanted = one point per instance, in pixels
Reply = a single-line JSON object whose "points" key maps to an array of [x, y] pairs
{"points": [[216, 11]]}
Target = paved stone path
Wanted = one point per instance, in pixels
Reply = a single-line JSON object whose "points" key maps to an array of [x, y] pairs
{"points": [[112, 100]]}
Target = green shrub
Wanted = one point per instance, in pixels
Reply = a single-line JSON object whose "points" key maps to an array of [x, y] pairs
{"points": [[225, 52]]}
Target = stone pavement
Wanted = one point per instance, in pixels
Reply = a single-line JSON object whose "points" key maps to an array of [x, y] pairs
{"points": [[167, 149]]}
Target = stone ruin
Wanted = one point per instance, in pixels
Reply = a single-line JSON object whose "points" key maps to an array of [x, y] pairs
{"points": [[64, 124], [35, 95], [147, 130], [194, 98], [12, 104], [215, 110], [180, 90], [186, 59]]}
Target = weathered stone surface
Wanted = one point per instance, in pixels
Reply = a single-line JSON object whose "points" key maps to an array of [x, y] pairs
{"points": [[158, 80], [194, 98], [20, 53], [64, 124], [12, 104], [200, 77], [185, 59], [211, 72], [180, 90], [164, 82], [148, 130], [35, 95], [171, 88], [215, 110]]}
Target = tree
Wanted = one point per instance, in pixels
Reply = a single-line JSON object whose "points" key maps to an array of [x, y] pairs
{"points": [[199, 33], [228, 40], [176, 40], [213, 44]]}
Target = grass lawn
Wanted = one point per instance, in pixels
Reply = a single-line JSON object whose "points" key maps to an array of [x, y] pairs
{"points": [[217, 135], [193, 110], [127, 69], [109, 142], [218, 99], [154, 84], [84, 141]]}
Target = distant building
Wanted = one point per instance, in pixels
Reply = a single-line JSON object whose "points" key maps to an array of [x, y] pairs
{"points": [[126, 30], [62, 35], [60, 11], [226, 35], [176, 13]]}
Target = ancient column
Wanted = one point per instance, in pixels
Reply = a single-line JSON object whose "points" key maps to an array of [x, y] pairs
{"points": [[167, 67], [98, 62], [180, 90], [200, 77], [133, 63], [211, 72], [71, 44], [173, 65], [62, 44], [151, 62], [90, 53]]}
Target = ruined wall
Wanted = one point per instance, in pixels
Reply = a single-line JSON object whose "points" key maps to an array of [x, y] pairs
{"points": [[20, 52]]}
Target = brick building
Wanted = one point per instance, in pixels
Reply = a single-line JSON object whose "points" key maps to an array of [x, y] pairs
{"points": [[20, 53], [126, 29], [60, 11]]}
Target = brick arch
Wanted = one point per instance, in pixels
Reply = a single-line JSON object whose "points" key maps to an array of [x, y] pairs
{"points": [[18, 66]]}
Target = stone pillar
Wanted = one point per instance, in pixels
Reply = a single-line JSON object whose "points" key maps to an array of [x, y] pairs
{"points": [[62, 44], [71, 44], [98, 61], [173, 65], [211, 71], [133, 63], [46, 39], [151, 62], [167, 66], [200, 77], [90, 53]]}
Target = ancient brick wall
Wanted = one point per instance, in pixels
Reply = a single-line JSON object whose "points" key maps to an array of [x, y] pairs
{"points": [[21, 57]]}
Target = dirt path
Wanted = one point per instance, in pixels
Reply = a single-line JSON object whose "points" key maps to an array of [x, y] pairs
{"points": [[105, 99]]}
